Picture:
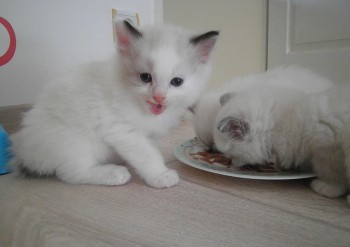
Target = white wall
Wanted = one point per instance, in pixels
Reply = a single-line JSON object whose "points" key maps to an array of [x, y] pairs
{"points": [[241, 46], [55, 35]]}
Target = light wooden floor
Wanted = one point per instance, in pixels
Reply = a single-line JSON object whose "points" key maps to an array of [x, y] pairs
{"points": [[203, 210]]}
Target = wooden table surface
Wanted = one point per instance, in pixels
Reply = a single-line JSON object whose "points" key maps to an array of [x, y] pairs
{"points": [[205, 209]]}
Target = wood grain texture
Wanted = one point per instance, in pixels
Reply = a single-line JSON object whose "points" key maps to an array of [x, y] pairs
{"points": [[203, 210]]}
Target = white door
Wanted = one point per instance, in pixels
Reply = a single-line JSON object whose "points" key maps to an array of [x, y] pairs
{"points": [[311, 33]]}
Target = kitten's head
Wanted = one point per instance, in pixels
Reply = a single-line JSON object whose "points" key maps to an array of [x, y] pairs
{"points": [[164, 67], [238, 133]]}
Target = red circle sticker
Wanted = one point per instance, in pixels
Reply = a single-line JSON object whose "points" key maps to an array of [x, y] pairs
{"points": [[4, 59]]}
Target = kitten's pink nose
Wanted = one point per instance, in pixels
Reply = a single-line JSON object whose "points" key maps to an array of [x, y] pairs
{"points": [[159, 98]]}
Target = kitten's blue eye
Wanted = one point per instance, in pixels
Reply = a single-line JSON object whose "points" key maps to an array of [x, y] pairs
{"points": [[176, 82], [145, 77]]}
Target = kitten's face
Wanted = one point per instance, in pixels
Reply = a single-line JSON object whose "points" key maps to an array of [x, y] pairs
{"points": [[237, 136], [164, 67]]}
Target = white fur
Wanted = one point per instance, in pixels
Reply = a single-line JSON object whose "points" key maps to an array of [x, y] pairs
{"points": [[293, 77], [90, 120], [294, 129]]}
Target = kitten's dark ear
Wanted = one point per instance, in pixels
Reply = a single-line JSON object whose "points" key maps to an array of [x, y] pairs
{"points": [[126, 34], [204, 44], [233, 128], [225, 98]]}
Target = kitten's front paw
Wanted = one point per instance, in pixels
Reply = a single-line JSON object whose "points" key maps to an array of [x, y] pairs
{"points": [[166, 180], [108, 174], [327, 189], [118, 176]]}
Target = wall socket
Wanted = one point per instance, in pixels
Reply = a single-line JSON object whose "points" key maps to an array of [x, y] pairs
{"points": [[129, 16]]}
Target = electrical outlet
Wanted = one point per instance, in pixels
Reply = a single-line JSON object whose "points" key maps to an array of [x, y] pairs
{"points": [[129, 16]]}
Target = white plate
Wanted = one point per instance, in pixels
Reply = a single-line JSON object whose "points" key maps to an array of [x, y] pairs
{"points": [[182, 153]]}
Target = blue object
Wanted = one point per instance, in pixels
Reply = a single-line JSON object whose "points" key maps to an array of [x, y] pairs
{"points": [[5, 152]]}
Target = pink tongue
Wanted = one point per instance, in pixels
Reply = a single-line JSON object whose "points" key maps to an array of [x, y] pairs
{"points": [[157, 109]]}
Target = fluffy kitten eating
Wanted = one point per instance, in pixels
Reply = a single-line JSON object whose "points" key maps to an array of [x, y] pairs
{"points": [[111, 112], [292, 129]]}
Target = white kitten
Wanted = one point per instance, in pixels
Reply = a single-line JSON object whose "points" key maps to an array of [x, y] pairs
{"points": [[290, 77], [112, 111], [290, 128]]}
